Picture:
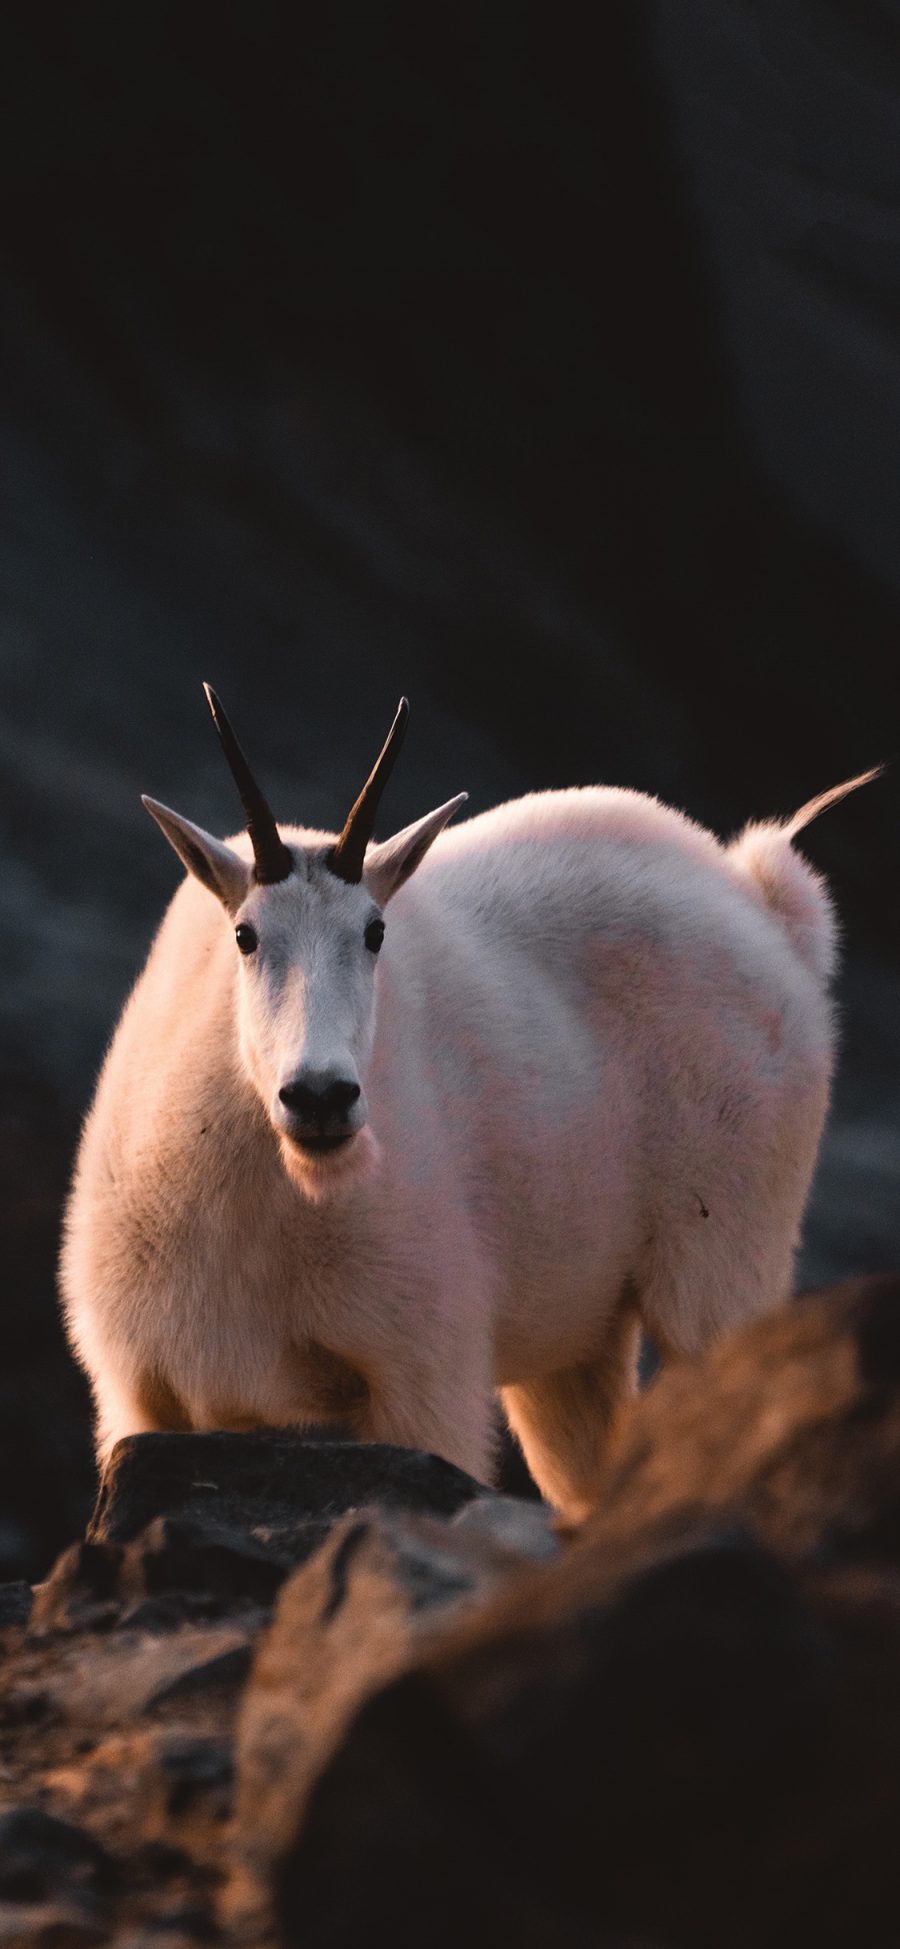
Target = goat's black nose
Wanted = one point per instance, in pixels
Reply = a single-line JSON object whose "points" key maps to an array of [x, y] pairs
{"points": [[319, 1100]]}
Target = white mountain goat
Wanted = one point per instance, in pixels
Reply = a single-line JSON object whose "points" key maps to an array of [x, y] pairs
{"points": [[580, 1090]]}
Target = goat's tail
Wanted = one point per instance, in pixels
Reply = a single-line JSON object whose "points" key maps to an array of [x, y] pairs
{"points": [[789, 885]]}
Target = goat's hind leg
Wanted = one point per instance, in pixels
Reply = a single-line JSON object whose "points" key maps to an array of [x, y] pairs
{"points": [[567, 1422]]}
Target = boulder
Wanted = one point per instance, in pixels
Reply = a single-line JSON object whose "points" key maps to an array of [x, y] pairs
{"points": [[268, 1483], [263, 1674], [55, 1882], [385, 1583], [119, 1701], [682, 1732], [218, 1562]]}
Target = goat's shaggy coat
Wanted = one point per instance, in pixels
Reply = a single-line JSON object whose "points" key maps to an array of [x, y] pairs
{"points": [[596, 1060]]}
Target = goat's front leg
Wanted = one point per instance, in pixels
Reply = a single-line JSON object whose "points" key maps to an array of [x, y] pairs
{"points": [[411, 1387], [440, 1399], [147, 1405]]}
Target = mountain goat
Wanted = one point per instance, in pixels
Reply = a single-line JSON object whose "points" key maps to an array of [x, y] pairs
{"points": [[580, 1091]]}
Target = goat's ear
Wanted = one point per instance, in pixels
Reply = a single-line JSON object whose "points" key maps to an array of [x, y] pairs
{"points": [[388, 865], [225, 874]]}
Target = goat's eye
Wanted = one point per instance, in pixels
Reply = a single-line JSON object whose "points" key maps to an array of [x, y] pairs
{"points": [[246, 937], [374, 935]]}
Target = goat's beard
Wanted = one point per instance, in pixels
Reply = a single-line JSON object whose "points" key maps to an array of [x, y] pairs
{"points": [[333, 1173]]}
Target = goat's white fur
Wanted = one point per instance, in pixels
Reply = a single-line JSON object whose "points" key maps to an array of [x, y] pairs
{"points": [[594, 1087]]}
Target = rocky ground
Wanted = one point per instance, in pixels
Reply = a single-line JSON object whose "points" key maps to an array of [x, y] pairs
{"points": [[327, 1694]]}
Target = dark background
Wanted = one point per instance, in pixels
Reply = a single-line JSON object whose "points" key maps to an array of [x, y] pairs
{"points": [[541, 363]]}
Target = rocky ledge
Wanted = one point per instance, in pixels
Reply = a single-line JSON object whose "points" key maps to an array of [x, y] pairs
{"points": [[326, 1694]]}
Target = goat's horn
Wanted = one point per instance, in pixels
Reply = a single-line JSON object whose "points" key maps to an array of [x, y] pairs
{"points": [[272, 860], [346, 859]]}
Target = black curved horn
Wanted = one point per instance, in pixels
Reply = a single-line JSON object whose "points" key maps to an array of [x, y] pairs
{"points": [[272, 861], [346, 858]]}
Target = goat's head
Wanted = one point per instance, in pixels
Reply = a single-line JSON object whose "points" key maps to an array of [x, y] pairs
{"points": [[307, 924]]}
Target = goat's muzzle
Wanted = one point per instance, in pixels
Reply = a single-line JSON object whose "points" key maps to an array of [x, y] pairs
{"points": [[320, 1113]]}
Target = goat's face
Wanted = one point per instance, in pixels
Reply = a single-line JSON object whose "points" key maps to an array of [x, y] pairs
{"points": [[308, 949], [305, 914]]}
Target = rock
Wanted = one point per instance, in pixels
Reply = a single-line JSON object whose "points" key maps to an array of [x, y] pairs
{"points": [[195, 1766], [48, 1925], [15, 1604], [27, 1704], [685, 1728], [136, 1671], [167, 1932], [526, 1528], [220, 1562], [43, 1859], [121, 1699], [266, 1483], [793, 1423], [82, 1591], [575, 1779], [678, 1726], [120, 1702], [167, 1612], [204, 1682], [343, 1624]]}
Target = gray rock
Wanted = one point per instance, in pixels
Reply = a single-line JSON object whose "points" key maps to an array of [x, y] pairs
{"points": [[43, 1858], [266, 1482], [524, 1528], [217, 1561]]}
